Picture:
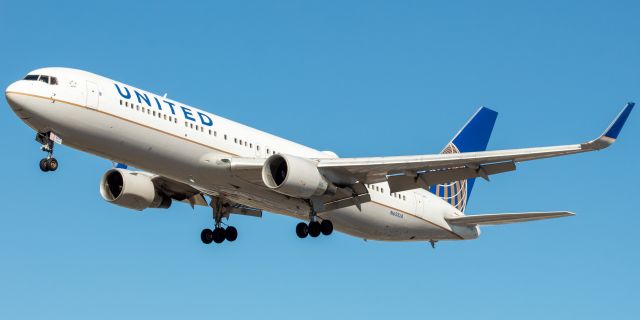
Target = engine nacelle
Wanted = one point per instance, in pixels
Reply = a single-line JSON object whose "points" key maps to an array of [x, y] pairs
{"points": [[294, 176], [132, 190]]}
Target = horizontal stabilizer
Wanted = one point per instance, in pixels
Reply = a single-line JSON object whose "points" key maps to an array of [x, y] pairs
{"points": [[503, 218]]}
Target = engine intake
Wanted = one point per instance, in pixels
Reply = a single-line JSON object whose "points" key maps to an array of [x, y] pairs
{"points": [[294, 176], [132, 190]]}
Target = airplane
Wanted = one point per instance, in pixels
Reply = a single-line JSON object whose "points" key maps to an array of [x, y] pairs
{"points": [[185, 154]]}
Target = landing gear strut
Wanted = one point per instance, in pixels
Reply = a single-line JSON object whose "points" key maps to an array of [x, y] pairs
{"points": [[49, 163], [314, 228], [219, 234]]}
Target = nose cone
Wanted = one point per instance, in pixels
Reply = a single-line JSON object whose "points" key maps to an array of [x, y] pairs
{"points": [[18, 101], [10, 94]]}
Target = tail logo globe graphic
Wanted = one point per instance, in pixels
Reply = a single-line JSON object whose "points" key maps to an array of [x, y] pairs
{"points": [[453, 192]]}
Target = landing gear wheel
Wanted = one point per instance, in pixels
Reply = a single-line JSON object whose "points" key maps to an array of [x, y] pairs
{"points": [[43, 165], [218, 235], [302, 230], [314, 228], [326, 227], [206, 236], [52, 164], [231, 234]]}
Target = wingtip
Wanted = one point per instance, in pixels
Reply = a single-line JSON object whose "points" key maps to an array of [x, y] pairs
{"points": [[616, 126]]}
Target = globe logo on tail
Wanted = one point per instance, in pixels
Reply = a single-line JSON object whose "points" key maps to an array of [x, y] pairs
{"points": [[453, 192]]}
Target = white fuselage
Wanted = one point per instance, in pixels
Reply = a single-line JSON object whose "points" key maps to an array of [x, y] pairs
{"points": [[128, 125]]}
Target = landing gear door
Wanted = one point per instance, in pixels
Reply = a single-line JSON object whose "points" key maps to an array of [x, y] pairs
{"points": [[93, 95]]}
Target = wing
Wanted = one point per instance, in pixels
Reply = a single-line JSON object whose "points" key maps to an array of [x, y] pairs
{"points": [[179, 191], [411, 172], [194, 197]]}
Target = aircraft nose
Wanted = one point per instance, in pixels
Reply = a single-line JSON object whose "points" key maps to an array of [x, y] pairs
{"points": [[16, 99], [9, 93]]}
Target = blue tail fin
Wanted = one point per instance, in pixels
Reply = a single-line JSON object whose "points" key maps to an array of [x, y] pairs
{"points": [[474, 136]]}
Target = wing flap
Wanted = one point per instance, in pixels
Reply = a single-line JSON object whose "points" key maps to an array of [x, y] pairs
{"points": [[426, 179], [504, 218]]}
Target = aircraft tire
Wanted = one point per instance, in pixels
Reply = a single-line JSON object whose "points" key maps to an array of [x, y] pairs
{"points": [[326, 227], [302, 230], [52, 164], [314, 229], [231, 233], [206, 236], [43, 165], [218, 235]]}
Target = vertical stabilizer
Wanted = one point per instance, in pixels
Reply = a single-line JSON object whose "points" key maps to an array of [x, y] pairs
{"points": [[474, 136]]}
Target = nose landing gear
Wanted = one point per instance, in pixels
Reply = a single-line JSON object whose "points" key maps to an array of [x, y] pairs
{"points": [[49, 163]]}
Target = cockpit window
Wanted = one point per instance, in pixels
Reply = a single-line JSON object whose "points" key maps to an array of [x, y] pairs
{"points": [[43, 78]]}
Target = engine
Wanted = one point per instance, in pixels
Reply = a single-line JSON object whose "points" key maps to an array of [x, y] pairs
{"points": [[133, 190], [294, 176]]}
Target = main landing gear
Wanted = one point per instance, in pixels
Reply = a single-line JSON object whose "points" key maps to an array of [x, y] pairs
{"points": [[314, 228], [49, 163], [219, 234]]}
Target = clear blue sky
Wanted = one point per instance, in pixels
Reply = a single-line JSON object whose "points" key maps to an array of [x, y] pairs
{"points": [[362, 79]]}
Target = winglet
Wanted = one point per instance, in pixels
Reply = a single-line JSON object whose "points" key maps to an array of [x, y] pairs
{"points": [[616, 126], [611, 134]]}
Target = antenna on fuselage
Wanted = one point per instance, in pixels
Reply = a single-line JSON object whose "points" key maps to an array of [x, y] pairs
{"points": [[165, 95]]}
